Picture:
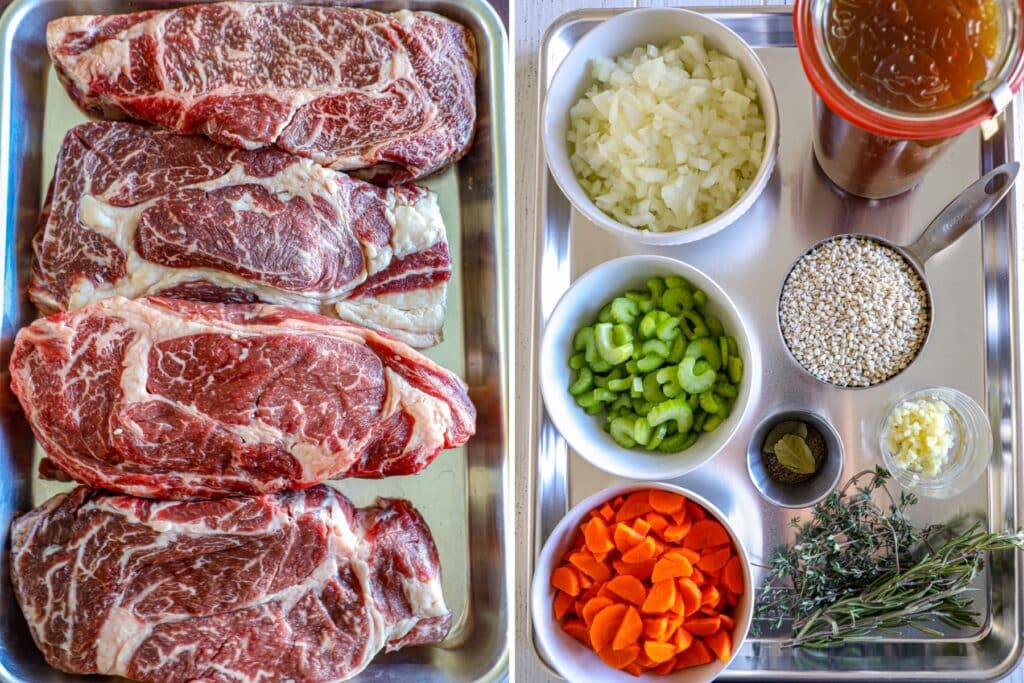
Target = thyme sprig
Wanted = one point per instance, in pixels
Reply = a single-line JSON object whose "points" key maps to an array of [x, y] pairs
{"points": [[858, 569]]}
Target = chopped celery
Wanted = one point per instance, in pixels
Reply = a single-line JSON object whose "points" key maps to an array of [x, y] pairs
{"points": [[657, 287], [652, 390], [577, 360], [610, 351], [707, 349], [696, 376], [735, 369], [714, 326], [676, 410], [622, 431], [676, 300], [624, 310], [657, 436], [584, 382]]}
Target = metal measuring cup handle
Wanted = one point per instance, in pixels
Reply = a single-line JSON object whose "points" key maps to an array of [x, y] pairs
{"points": [[968, 208]]}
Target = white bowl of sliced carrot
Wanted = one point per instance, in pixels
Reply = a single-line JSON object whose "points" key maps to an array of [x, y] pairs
{"points": [[643, 580]]}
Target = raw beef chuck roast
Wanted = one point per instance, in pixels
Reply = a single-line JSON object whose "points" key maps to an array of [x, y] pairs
{"points": [[134, 211], [349, 88], [165, 398], [296, 586]]}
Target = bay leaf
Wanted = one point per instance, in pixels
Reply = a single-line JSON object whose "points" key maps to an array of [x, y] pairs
{"points": [[794, 454]]}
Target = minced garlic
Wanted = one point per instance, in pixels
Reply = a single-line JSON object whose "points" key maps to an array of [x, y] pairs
{"points": [[919, 436]]}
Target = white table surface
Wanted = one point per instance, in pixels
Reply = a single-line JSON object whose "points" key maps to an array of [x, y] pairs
{"points": [[531, 19]]}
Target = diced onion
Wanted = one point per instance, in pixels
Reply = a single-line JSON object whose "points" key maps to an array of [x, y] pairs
{"points": [[668, 138]]}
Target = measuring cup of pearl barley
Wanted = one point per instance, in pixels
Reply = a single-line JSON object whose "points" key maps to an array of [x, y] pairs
{"points": [[855, 310]]}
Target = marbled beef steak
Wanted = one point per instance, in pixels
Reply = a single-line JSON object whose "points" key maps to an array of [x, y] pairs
{"points": [[134, 211], [166, 398], [296, 586], [349, 88]]}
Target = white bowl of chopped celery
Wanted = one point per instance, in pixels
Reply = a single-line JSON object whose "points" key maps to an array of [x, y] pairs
{"points": [[661, 126], [646, 367]]}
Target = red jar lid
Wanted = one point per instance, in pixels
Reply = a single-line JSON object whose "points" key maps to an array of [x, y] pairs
{"points": [[890, 124]]}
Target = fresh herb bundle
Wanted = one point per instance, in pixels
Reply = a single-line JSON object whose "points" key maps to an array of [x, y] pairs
{"points": [[859, 570]]}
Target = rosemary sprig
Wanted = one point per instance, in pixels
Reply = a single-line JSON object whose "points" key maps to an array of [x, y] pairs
{"points": [[860, 570]]}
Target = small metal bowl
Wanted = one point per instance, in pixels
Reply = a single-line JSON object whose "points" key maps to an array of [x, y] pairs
{"points": [[807, 493]]}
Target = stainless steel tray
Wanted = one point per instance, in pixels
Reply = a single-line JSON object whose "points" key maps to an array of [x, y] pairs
{"points": [[468, 517], [974, 347]]}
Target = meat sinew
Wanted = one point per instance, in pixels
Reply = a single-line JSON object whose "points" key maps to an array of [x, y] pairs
{"points": [[134, 211], [296, 586], [166, 398], [350, 88]]}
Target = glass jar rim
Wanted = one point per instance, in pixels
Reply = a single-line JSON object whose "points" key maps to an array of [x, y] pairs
{"points": [[879, 120]]}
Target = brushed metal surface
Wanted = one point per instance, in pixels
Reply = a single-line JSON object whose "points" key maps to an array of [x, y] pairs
{"points": [[468, 518], [973, 348]]}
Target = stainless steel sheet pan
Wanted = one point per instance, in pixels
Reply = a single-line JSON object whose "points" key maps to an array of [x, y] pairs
{"points": [[463, 495], [974, 347]]}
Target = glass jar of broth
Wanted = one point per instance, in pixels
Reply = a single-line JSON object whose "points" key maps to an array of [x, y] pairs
{"points": [[896, 81]]}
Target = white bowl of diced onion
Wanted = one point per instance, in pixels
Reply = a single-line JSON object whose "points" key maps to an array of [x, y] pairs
{"points": [[671, 188]]}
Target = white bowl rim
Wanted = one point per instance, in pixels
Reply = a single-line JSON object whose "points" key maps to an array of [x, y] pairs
{"points": [[673, 466], [541, 591], [574, 192]]}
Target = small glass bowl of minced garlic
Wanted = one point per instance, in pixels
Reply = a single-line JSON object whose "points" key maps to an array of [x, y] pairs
{"points": [[935, 442]]}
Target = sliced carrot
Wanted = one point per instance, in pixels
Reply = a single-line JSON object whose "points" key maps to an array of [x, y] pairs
{"points": [[586, 583], [660, 598], [666, 668], [629, 588], [720, 643], [659, 652], [697, 654], [636, 505], [599, 539], [607, 513], [605, 625], [732, 575], [728, 622], [671, 565], [578, 630], [563, 603], [641, 570], [593, 606], [635, 668], [677, 532], [619, 659], [682, 639], [640, 553], [695, 512], [709, 596], [692, 555], [715, 561], [658, 523], [674, 623], [641, 526], [731, 599], [589, 565], [706, 533], [699, 626], [656, 628], [567, 580], [679, 606], [691, 595], [645, 661], [698, 577], [626, 537], [666, 502], [629, 630], [680, 517]]}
